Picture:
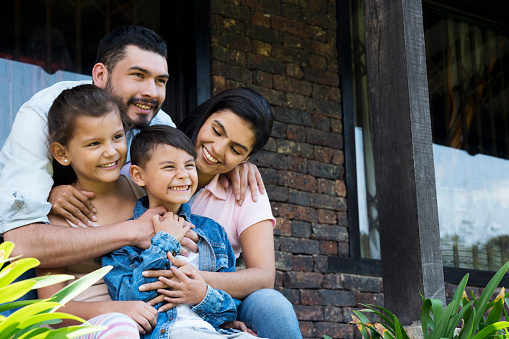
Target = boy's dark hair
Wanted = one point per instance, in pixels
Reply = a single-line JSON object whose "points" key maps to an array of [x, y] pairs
{"points": [[245, 103], [83, 100], [152, 136], [112, 47]]}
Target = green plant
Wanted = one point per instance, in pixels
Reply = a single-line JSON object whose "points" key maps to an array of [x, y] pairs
{"points": [[26, 321], [478, 318]]}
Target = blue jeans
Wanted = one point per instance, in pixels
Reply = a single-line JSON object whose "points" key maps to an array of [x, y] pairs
{"points": [[270, 314]]}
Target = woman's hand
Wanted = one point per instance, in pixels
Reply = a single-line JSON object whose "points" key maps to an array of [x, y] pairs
{"points": [[73, 205], [242, 175], [191, 289], [236, 324], [142, 313], [182, 265]]}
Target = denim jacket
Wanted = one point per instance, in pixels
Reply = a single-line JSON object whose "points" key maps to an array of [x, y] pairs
{"points": [[216, 254]]}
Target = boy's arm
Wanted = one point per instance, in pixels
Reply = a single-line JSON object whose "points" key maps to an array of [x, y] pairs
{"points": [[128, 263]]}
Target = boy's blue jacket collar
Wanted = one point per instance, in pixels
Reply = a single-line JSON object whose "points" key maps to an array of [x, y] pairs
{"points": [[142, 205]]}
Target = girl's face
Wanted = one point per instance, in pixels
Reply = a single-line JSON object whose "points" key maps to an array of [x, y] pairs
{"points": [[98, 149], [224, 141]]}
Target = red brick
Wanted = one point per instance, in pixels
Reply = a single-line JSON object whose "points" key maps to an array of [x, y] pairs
{"points": [[326, 217], [229, 10], [340, 188], [333, 314], [328, 247], [323, 138], [307, 328], [293, 41], [318, 62], [332, 281], [296, 133], [335, 330], [294, 100], [314, 313], [343, 249], [322, 170], [263, 63], [321, 122], [268, 6], [299, 246], [231, 72], [338, 158], [293, 116], [289, 26], [291, 54], [263, 79], [321, 77], [218, 84], [317, 33], [294, 71], [323, 154], [263, 34], [296, 164], [273, 97], [328, 202], [302, 279], [308, 297], [321, 263], [319, 19], [262, 48], [298, 181], [362, 283], [370, 298], [342, 218], [289, 147], [284, 261], [288, 84], [283, 227], [302, 263], [260, 18]]}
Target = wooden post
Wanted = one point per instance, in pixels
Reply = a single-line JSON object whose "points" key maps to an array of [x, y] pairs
{"points": [[403, 153]]}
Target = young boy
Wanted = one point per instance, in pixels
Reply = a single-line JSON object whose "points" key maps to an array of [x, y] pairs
{"points": [[163, 162]]}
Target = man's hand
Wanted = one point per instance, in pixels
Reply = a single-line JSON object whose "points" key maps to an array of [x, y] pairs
{"points": [[236, 324], [172, 224], [142, 313], [242, 175], [191, 289], [73, 205], [143, 227]]}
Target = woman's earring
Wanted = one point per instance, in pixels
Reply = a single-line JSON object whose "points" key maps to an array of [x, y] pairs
{"points": [[66, 161]]}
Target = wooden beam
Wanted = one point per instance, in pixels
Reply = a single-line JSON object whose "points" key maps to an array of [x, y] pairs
{"points": [[405, 177]]}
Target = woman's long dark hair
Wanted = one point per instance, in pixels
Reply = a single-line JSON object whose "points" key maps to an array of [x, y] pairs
{"points": [[245, 103]]}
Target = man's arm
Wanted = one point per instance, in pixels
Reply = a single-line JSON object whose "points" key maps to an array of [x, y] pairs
{"points": [[57, 246]]}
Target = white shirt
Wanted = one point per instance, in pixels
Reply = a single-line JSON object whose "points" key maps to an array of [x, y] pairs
{"points": [[26, 171]]}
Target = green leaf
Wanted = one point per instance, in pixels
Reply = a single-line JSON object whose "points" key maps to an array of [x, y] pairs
{"points": [[486, 294], [35, 333], [49, 280], [6, 327], [39, 318], [14, 291], [488, 330], [15, 269], [6, 249], [16, 304], [72, 290]]}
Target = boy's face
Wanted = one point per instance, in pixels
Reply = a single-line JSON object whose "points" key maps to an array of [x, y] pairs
{"points": [[169, 177]]}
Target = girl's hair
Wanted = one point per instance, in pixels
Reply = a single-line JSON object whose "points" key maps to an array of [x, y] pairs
{"points": [[245, 103], [145, 142], [83, 100]]}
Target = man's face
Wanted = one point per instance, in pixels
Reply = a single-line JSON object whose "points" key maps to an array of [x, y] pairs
{"points": [[139, 81]]}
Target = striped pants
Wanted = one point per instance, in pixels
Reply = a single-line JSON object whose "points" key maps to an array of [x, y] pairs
{"points": [[118, 326]]}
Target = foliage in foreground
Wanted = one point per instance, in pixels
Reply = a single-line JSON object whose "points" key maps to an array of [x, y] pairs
{"points": [[26, 321], [478, 318]]}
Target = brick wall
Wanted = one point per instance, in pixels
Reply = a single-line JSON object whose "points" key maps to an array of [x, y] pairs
{"points": [[287, 51]]}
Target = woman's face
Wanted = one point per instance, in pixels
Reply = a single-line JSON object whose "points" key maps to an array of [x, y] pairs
{"points": [[224, 141]]}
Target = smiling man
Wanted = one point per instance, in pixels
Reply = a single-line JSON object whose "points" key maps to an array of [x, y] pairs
{"points": [[131, 64]]}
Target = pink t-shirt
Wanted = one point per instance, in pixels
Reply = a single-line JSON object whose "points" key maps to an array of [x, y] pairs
{"points": [[217, 203]]}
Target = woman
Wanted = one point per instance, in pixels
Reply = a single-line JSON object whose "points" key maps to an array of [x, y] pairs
{"points": [[226, 130]]}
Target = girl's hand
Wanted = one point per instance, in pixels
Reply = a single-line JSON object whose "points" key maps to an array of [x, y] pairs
{"points": [[73, 205], [171, 224], [242, 175], [142, 313], [236, 324], [191, 289]]}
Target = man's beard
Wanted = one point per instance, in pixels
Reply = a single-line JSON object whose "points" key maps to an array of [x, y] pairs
{"points": [[143, 120]]}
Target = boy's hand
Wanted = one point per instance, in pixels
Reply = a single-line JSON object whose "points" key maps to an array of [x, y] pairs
{"points": [[142, 313], [171, 224], [190, 241], [191, 289], [73, 205], [241, 176]]}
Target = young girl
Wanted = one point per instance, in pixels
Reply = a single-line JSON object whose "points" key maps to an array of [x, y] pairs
{"points": [[86, 137]]}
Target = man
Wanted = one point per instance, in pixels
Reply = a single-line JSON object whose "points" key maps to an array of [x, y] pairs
{"points": [[131, 64]]}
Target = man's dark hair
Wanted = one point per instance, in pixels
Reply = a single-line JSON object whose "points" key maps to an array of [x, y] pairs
{"points": [[112, 47], [247, 104], [145, 142]]}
